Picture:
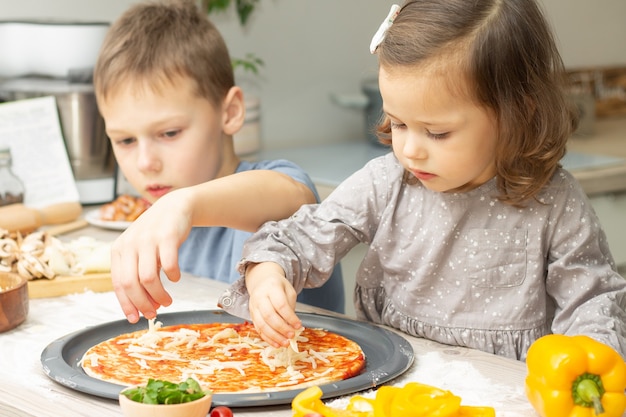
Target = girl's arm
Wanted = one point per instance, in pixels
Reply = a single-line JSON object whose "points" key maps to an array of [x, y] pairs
{"points": [[272, 303], [590, 295]]}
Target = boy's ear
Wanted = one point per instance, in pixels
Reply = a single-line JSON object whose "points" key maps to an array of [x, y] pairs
{"points": [[234, 111]]}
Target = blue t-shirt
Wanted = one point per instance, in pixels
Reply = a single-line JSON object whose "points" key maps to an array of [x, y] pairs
{"points": [[214, 251]]}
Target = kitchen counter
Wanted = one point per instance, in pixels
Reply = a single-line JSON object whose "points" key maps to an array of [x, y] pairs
{"points": [[25, 390], [608, 141], [597, 161]]}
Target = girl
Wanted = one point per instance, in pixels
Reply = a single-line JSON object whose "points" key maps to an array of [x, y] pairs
{"points": [[477, 237]]}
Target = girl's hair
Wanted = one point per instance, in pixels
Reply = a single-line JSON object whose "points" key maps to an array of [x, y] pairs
{"points": [[511, 66], [154, 43]]}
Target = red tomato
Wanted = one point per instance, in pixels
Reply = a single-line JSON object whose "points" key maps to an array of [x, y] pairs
{"points": [[221, 411]]}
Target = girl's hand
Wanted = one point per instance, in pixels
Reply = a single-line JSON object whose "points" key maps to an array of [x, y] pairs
{"points": [[150, 244], [272, 303]]}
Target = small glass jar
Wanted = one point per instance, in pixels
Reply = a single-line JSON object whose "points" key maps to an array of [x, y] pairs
{"points": [[11, 187]]}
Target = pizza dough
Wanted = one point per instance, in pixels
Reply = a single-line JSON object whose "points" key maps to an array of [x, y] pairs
{"points": [[224, 357]]}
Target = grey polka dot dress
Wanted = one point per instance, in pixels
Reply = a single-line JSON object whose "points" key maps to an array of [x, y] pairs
{"points": [[459, 268]]}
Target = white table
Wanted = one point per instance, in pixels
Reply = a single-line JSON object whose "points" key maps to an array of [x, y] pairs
{"points": [[25, 390]]}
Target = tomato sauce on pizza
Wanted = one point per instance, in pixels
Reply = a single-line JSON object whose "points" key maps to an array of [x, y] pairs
{"points": [[224, 357]]}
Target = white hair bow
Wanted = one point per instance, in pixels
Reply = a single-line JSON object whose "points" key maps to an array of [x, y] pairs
{"points": [[382, 30]]}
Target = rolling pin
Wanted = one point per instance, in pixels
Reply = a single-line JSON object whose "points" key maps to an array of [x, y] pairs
{"points": [[20, 218]]}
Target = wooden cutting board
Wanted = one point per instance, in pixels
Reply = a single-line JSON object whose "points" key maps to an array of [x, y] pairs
{"points": [[63, 285]]}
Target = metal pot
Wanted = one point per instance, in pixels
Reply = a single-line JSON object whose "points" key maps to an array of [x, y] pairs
{"points": [[83, 130], [370, 102]]}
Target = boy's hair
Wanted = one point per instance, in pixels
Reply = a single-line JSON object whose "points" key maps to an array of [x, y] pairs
{"points": [[509, 64], [154, 43]]}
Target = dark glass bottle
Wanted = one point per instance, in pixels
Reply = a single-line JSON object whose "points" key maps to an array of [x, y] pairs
{"points": [[11, 187]]}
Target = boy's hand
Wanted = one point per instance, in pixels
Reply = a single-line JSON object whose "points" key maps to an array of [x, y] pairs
{"points": [[150, 244], [272, 303]]}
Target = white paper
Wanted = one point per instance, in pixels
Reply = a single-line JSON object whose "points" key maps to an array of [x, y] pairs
{"points": [[33, 131]]}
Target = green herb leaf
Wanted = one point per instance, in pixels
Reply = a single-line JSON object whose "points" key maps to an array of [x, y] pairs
{"points": [[165, 392]]}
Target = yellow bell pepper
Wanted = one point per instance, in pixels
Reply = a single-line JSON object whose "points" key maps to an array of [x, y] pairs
{"points": [[575, 376], [309, 401], [412, 400], [417, 400]]}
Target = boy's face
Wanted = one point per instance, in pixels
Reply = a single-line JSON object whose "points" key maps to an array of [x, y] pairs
{"points": [[167, 138], [444, 139]]}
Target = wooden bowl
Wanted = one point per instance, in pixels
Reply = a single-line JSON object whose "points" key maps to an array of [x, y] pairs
{"points": [[13, 300], [196, 408]]}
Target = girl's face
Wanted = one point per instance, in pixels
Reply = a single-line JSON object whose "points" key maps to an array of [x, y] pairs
{"points": [[442, 138], [165, 139]]}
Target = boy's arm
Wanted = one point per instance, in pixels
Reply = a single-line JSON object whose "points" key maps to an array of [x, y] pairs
{"points": [[246, 200], [242, 201]]}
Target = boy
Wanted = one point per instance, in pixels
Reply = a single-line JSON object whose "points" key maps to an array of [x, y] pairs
{"points": [[165, 88]]}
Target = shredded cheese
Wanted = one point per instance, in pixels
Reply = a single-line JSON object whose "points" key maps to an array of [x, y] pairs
{"points": [[144, 349], [226, 358], [157, 344]]}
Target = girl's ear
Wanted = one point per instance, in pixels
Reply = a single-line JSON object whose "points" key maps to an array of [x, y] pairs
{"points": [[234, 111]]}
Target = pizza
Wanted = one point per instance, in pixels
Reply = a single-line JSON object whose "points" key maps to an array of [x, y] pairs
{"points": [[124, 208], [224, 357]]}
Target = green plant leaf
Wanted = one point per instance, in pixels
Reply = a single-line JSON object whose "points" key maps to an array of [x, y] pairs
{"points": [[244, 9], [250, 63], [215, 5]]}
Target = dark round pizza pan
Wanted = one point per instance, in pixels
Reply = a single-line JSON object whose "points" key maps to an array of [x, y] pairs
{"points": [[387, 354]]}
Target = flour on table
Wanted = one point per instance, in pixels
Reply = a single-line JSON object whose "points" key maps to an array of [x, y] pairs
{"points": [[462, 379]]}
